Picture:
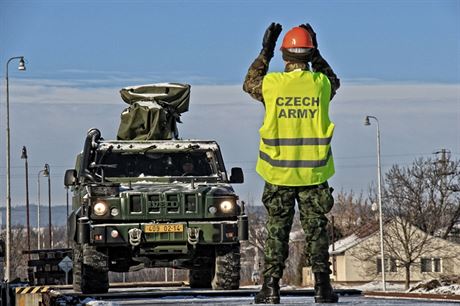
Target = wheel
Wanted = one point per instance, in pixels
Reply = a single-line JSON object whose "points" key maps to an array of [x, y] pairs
{"points": [[200, 278], [90, 273], [227, 271], [201, 272]]}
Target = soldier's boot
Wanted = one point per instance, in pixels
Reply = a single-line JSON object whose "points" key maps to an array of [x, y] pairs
{"points": [[323, 289], [270, 292]]}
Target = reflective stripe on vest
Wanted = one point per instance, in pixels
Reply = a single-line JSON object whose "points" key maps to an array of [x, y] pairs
{"points": [[297, 141], [297, 132], [295, 163]]}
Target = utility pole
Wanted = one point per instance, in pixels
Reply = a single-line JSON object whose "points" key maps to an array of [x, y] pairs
{"points": [[43, 172], [50, 227], [67, 213], [443, 163], [443, 160], [26, 166]]}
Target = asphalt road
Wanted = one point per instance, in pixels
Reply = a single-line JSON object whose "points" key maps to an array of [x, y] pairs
{"points": [[245, 299], [238, 301], [136, 294]]}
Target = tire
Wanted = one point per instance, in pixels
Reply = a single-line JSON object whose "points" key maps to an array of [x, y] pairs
{"points": [[89, 279], [200, 278], [227, 269]]}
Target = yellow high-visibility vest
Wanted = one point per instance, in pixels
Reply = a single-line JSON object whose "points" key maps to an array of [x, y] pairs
{"points": [[295, 138]]}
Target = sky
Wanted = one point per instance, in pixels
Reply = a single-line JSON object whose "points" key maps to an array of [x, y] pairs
{"points": [[397, 60]]}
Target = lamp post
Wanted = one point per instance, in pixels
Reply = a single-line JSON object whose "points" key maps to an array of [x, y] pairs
{"points": [[26, 166], [379, 195], [41, 172], [47, 173], [67, 213], [21, 67]]}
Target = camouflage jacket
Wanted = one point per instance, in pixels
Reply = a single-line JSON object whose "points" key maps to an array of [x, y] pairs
{"points": [[258, 69]]}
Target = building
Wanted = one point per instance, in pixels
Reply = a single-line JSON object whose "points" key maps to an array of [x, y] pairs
{"points": [[356, 258]]}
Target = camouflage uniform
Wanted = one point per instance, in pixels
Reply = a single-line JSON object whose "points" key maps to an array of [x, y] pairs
{"points": [[258, 69], [313, 201]]}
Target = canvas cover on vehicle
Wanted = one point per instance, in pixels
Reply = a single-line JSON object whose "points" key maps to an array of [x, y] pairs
{"points": [[153, 111]]}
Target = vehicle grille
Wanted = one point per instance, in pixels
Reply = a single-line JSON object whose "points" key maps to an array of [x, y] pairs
{"points": [[157, 205], [190, 203], [135, 204]]}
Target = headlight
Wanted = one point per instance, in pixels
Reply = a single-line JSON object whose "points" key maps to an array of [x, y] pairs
{"points": [[226, 206], [114, 211], [100, 209], [212, 210]]}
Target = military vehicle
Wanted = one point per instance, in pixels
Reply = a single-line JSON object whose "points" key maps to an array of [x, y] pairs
{"points": [[142, 202]]}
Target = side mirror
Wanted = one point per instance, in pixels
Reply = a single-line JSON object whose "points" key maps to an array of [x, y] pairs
{"points": [[70, 177], [236, 176]]}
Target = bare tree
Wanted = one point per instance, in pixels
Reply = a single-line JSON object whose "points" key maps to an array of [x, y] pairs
{"points": [[252, 251], [420, 202], [350, 211], [297, 259], [425, 194], [18, 261], [258, 234], [257, 217], [60, 237], [422, 196]]}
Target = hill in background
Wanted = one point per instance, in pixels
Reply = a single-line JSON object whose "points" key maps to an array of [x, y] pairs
{"points": [[19, 215]]}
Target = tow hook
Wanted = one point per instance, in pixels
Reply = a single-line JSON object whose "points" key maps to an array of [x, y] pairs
{"points": [[135, 235], [193, 235]]}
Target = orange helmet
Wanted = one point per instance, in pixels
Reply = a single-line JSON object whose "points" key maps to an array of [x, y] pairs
{"points": [[297, 37]]}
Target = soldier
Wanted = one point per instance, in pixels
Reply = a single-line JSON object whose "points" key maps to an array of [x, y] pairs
{"points": [[188, 168], [295, 158]]}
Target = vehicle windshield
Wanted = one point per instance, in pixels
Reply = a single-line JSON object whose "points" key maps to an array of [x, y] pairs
{"points": [[140, 164]]}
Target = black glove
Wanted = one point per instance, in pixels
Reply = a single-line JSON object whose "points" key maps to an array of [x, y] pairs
{"points": [[270, 37], [308, 27]]}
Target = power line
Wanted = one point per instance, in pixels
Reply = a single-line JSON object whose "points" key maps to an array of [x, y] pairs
{"points": [[348, 157]]}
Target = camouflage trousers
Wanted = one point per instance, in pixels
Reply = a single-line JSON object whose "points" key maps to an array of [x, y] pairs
{"points": [[314, 202]]}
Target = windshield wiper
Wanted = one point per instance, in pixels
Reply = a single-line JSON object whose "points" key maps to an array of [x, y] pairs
{"points": [[102, 167]]}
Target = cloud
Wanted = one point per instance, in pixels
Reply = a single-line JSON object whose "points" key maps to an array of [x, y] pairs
{"points": [[415, 119], [71, 91], [400, 91]]}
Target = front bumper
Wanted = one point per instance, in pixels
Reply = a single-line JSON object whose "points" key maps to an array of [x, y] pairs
{"points": [[202, 233]]}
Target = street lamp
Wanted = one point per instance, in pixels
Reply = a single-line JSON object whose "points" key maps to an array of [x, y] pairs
{"points": [[41, 172], [26, 165], [47, 173], [21, 67], [67, 212], [379, 195]]}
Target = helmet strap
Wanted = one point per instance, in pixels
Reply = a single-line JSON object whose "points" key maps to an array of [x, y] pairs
{"points": [[297, 57]]}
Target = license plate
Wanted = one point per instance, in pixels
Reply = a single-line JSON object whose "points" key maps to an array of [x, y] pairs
{"points": [[164, 228]]}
